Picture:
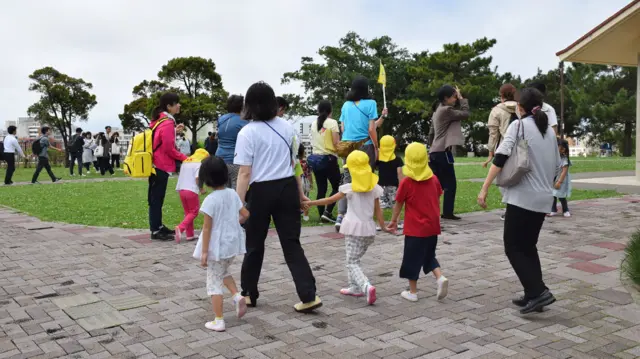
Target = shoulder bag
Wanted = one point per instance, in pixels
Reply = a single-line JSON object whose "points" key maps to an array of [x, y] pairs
{"points": [[517, 165]]}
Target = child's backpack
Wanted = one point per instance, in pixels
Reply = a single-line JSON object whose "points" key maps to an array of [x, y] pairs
{"points": [[139, 160], [36, 147]]}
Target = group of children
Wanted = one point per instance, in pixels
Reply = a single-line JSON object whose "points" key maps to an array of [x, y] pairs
{"points": [[410, 185]]}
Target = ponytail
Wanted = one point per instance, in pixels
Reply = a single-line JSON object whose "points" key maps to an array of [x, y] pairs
{"points": [[167, 99], [542, 121], [324, 110], [156, 112], [531, 101]]}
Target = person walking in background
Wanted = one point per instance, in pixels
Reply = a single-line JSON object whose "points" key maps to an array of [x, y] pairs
{"points": [[165, 156], [40, 148], [390, 171], [546, 108], [115, 151], [325, 135], [188, 187], [87, 152], [212, 144], [229, 125], [419, 193], [562, 187], [184, 146], [528, 200], [283, 106], [75, 151], [499, 119], [306, 178], [446, 132], [103, 153], [264, 152], [11, 148], [107, 131]]}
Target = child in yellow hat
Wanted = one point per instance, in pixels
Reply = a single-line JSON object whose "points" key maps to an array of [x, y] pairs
{"points": [[188, 188], [390, 171], [420, 192], [358, 227]]}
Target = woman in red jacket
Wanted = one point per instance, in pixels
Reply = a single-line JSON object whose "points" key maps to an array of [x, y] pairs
{"points": [[165, 156]]}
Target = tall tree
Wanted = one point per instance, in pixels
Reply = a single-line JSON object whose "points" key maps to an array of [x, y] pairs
{"points": [[135, 116], [63, 101]]}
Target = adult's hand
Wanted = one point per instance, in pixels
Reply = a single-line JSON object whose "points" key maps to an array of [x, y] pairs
{"points": [[482, 198], [180, 127], [385, 112]]}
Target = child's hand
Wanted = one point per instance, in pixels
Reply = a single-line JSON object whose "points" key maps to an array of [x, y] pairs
{"points": [[392, 227], [558, 185], [203, 260]]}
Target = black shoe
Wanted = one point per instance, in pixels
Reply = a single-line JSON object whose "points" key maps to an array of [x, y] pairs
{"points": [[35, 182], [160, 236], [502, 217], [522, 302], [57, 180], [536, 304], [327, 218], [166, 230], [450, 217], [250, 300]]}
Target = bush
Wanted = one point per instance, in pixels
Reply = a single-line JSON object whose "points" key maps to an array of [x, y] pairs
{"points": [[631, 262]]}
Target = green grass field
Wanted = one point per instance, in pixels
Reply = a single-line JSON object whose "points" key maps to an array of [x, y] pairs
{"points": [[25, 174], [124, 203]]}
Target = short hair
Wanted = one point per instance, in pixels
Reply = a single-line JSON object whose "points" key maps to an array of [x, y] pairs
{"points": [[44, 129], [282, 102], [105, 127], [235, 103], [539, 86], [78, 130], [445, 92], [508, 91], [12, 130], [213, 172], [260, 103]]}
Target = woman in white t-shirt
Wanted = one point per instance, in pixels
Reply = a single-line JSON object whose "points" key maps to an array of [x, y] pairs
{"points": [[325, 135], [264, 152]]}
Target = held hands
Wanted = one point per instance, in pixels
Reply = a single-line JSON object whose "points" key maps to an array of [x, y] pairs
{"points": [[305, 203], [482, 198], [203, 260], [392, 227]]}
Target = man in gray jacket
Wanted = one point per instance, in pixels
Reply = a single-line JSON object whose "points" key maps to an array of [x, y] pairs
{"points": [[43, 156]]}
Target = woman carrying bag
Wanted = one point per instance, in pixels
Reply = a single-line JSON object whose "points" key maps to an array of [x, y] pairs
{"points": [[103, 154]]}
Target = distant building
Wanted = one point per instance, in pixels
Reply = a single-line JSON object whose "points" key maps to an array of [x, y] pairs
{"points": [[28, 127], [302, 125], [581, 147]]}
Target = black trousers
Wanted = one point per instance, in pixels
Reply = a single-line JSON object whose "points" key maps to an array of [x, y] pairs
{"points": [[419, 254], [521, 232], [279, 199], [75, 158], [443, 169], [563, 202], [43, 163], [115, 161], [329, 174], [103, 163], [10, 158], [155, 198]]}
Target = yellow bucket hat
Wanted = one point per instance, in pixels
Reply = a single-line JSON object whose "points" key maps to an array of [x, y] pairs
{"points": [[416, 163], [387, 149], [198, 156], [362, 178]]}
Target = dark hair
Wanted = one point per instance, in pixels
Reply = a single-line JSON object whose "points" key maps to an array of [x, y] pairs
{"points": [[564, 144], [508, 92], [444, 92], [260, 103], [282, 102], [44, 130], [107, 127], [530, 99], [540, 87], [324, 110], [209, 133], [12, 130], [78, 130], [234, 103], [167, 99], [88, 133], [301, 150], [359, 89], [213, 172]]}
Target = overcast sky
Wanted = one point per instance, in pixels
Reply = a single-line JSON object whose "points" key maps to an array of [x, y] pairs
{"points": [[115, 44]]}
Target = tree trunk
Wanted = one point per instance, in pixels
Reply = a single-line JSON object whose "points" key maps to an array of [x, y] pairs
{"points": [[627, 141], [194, 139]]}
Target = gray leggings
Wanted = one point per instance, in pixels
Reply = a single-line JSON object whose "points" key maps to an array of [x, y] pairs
{"points": [[346, 177]]}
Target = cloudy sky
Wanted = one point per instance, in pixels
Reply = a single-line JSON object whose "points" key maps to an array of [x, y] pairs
{"points": [[115, 44]]}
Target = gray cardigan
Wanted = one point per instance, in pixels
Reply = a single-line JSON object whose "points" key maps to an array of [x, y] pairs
{"points": [[446, 130], [534, 192]]}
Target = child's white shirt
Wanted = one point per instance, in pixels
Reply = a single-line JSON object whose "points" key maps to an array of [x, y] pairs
{"points": [[358, 221], [227, 236], [187, 178]]}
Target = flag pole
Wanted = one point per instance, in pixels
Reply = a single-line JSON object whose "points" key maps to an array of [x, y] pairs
{"points": [[384, 95]]}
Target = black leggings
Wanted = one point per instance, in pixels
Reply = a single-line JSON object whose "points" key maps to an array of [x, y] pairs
{"points": [[115, 161], [563, 202], [104, 165], [329, 174], [521, 231]]}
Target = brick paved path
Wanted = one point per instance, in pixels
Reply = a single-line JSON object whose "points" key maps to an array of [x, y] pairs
{"points": [[60, 285]]}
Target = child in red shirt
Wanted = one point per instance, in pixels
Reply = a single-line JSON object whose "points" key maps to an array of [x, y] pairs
{"points": [[420, 190]]}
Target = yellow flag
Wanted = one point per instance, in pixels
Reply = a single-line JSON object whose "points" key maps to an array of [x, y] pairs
{"points": [[382, 78]]}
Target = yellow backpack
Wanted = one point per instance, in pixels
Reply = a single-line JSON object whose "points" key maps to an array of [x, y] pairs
{"points": [[139, 160]]}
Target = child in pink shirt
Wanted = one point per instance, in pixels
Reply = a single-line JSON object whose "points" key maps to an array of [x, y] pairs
{"points": [[189, 188]]}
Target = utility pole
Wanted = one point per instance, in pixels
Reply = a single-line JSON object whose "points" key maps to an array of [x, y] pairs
{"points": [[561, 124]]}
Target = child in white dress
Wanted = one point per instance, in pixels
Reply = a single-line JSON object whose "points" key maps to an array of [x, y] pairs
{"points": [[222, 238], [358, 227]]}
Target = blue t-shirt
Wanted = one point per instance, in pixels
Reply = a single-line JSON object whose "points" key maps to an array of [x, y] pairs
{"points": [[229, 126], [356, 119]]}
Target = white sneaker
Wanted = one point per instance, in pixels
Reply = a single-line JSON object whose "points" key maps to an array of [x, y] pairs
{"points": [[567, 214], [83, 175], [216, 325], [305, 218], [552, 214], [443, 287], [412, 297], [241, 305]]}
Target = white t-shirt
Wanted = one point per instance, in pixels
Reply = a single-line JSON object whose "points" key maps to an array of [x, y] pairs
{"points": [[551, 114], [187, 178], [227, 236], [269, 148], [359, 218]]}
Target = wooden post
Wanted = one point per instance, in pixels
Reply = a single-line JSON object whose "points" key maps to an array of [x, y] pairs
{"points": [[561, 123]]}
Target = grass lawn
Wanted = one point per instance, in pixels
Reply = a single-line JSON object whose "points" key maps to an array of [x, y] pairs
{"points": [[124, 203], [25, 174]]}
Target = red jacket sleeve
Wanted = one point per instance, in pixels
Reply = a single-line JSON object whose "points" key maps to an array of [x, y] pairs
{"points": [[168, 142]]}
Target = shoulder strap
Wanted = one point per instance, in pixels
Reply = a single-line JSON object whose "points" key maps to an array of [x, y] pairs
{"points": [[285, 141], [359, 109]]}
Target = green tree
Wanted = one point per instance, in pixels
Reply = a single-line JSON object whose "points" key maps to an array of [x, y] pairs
{"points": [[135, 115], [63, 101]]}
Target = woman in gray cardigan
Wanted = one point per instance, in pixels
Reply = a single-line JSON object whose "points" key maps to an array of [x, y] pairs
{"points": [[528, 201]]}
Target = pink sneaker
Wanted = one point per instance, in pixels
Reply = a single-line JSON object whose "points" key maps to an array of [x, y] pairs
{"points": [[351, 292], [371, 294], [241, 305], [178, 235]]}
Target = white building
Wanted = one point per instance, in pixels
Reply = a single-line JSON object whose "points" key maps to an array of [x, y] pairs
{"points": [[27, 127], [302, 125]]}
